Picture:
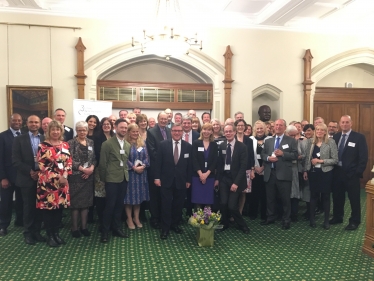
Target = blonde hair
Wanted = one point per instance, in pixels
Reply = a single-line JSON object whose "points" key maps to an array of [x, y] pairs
{"points": [[207, 126], [323, 127], [260, 123], [139, 142], [55, 124]]}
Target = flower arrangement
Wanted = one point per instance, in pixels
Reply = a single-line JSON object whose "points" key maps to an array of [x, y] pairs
{"points": [[206, 219]]}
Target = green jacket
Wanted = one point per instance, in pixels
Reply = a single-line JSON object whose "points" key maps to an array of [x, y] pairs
{"points": [[110, 161]]}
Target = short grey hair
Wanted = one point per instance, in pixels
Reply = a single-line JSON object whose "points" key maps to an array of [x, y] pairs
{"points": [[239, 112], [81, 124], [290, 128], [186, 117]]}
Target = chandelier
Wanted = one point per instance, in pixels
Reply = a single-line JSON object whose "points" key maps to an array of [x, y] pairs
{"points": [[165, 38]]}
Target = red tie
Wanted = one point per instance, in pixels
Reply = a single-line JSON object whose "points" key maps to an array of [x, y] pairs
{"points": [[186, 137]]}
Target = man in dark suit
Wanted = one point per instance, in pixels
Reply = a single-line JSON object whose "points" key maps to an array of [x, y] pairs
{"points": [[277, 156], [25, 149], [189, 136], [8, 176], [154, 136], [173, 176], [353, 157], [169, 112], [232, 166], [60, 116]]}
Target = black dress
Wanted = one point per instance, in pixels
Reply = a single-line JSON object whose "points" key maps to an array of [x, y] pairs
{"points": [[319, 181]]}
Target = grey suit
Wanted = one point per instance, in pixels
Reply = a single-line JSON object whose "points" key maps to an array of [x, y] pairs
{"points": [[278, 178]]}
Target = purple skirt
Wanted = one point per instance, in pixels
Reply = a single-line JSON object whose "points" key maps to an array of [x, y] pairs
{"points": [[202, 193]]}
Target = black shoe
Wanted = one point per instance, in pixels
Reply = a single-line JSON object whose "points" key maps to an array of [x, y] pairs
{"points": [[75, 233], [267, 222], [3, 231], [104, 237], [223, 228], [335, 221], [286, 226], [51, 242], [155, 225], [351, 226], [313, 225], [245, 230], [326, 225], [85, 232], [120, 233], [29, 240], [58, 239], [38, 237], [164, 235], [176, 229]]}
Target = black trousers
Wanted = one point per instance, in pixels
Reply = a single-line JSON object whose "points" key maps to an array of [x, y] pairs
{"points": [[32, 217], [341, 185], [257, 197], [155, 200], [281, 188], [230, 202], [6, 205], [100, 206], [172, 200], [115, 195]]}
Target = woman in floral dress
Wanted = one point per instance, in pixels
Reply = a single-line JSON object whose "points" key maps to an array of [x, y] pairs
{"points": [[53, 189]]}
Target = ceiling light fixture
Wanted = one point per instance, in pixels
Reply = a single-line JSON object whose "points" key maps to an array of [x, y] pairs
{"points": [[167, 40]]}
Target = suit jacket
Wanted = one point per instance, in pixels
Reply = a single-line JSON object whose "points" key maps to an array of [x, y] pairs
{"points": [[284, 165], [251, 155], [98, 139], [238, 167], [355, 154], [23, 160], [154, 137], [167, 171], [328, 153], [110, 158], [7, 171], [68, 134], [198, 159]]}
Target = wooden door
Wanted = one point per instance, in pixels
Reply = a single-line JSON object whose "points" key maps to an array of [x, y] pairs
{"points": [[332, 103]]}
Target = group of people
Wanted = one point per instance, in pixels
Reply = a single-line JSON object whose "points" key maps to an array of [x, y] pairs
{"points": [[119, 167]]}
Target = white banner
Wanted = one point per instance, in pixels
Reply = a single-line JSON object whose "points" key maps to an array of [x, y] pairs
{"points": [[83, 108]]}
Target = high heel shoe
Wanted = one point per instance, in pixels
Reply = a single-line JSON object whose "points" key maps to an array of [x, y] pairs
{"points": [[138, 224], [130, 226]]}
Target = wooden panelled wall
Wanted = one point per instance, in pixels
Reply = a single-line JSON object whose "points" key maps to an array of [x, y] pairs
{"points": [[332, 103]]}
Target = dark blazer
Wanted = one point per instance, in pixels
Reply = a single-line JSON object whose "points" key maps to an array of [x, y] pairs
{"points": [[354, 158], [198, 159], [284, 164], [23, 160], [239, 161], [7, 171], [154, 137], [167, 171], [68, 134], [251, 155], [98, 141]]}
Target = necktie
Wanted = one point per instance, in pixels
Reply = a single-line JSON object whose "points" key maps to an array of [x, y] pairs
{"points": [[17, 134], [228, 154], [186, 137], [163, 133], [176, 153], [341, 147], [277, 143]]}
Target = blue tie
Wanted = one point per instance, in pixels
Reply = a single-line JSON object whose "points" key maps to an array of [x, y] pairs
{"points": [[341, 147], [277, 143]]}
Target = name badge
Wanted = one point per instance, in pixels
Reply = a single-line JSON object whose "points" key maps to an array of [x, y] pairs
{"points": [[60, 166], [122, 151], [200, 149], [67, 129], [139, 149], [121, 163], [85, 165], [352, 144], [206, 164], [317, 165], [285, 146], [227, 167], [258, 156], [318, 154], [90, 148], [223, 151], [187, 155], [64, 150]]}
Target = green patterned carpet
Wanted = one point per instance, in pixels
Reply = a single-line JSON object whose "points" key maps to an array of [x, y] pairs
{"points": [[268, 253]]}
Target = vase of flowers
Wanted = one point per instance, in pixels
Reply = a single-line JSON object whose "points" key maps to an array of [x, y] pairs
{"points": [[206, 222]]}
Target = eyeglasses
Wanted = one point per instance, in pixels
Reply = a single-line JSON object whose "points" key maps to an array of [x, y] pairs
{"points": [[240, 126], [106, 124], [81, 131], [177, 131]]}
